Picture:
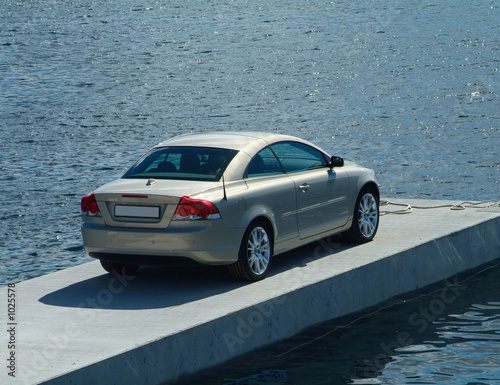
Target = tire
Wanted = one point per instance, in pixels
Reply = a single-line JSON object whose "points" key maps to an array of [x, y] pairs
{"points": [[119, 268], [366, 217], [254, 257]]}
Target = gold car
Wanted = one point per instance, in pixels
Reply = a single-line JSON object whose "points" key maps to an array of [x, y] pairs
{"points": [[227, 198]]}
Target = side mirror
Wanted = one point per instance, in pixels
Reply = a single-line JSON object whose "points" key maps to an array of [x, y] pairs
{"points": [[336, 161]]}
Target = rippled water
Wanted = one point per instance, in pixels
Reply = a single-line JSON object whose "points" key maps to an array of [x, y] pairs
{"points": [[409, 88]]}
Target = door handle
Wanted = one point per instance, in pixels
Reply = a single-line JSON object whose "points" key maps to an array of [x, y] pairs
{"points": [[304, 187]]}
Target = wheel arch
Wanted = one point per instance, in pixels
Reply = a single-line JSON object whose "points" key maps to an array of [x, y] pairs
{"points": [[372, 185], [260, 213], [264, 219], [357, 187]]}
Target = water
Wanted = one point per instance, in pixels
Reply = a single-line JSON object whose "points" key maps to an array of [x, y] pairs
{"points": [[407, 88], [86, 88]]}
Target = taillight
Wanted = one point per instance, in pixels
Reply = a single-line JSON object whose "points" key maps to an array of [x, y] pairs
{"points": [[89, 205], [195, 209]]}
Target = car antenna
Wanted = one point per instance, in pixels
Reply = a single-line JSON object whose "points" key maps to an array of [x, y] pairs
{"points": [[224, 187]]}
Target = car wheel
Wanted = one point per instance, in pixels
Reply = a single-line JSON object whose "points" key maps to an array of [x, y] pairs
{"points": [[119, 268], [256, 250], [366, 217]]}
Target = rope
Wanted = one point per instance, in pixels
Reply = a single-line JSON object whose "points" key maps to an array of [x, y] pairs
{"points": [[461, 206]]}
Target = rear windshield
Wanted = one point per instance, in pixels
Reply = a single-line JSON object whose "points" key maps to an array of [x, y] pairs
{"points": [[185, 163]]}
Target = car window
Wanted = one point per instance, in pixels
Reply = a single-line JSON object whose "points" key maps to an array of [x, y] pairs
{"points": [[295, 157], [264, 163], [186, 163]]}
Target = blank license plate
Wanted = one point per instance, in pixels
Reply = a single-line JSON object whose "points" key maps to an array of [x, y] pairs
{"points": [[137, 211]]}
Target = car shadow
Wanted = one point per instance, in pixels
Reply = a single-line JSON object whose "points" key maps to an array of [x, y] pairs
{"points": [[302, 256], [150, 288], [162, 287]]}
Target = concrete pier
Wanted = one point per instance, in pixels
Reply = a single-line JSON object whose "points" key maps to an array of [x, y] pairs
{"points": [[83, 326]]}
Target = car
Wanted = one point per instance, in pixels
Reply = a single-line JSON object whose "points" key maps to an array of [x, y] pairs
{"points": [[227, 198]]}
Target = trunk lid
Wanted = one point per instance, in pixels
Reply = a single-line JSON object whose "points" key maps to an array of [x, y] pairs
{"points": [[146, 203]]}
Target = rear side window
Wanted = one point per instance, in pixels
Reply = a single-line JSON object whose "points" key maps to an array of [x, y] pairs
{"points": [[185, 163], [264, 163], [295, 157]]}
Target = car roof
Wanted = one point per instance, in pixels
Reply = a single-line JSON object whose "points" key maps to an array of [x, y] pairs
{"points": [[234, 140]]}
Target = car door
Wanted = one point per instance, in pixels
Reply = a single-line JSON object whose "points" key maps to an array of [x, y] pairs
{"points": [[321, 192], [272, 190]]}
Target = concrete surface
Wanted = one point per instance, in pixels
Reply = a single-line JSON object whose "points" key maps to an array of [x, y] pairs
{"points": [[83, 326]]}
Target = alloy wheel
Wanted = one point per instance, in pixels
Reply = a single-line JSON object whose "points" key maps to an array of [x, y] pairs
{"points": [[368, 215], [258, 251]]}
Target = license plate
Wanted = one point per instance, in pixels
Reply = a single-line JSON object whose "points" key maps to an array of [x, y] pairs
{"points": [[137, 211]]}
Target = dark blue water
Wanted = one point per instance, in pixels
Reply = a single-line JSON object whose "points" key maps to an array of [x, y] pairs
{"points": [[408, 88]]}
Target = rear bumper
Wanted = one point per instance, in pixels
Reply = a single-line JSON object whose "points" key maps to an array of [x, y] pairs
{"points": [[208, 242], [141, 259]]}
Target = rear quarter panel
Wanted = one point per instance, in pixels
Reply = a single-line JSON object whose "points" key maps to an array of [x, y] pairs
{"points": [[269, 198]]}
